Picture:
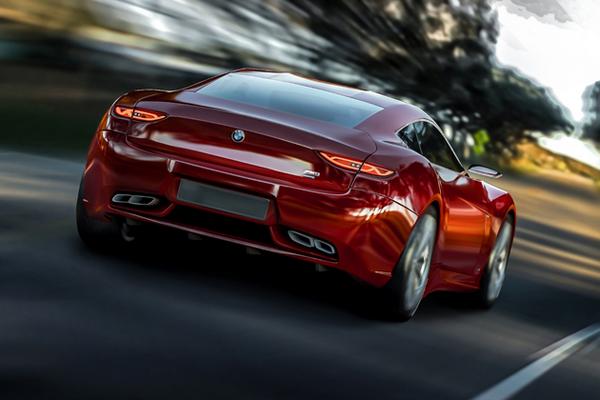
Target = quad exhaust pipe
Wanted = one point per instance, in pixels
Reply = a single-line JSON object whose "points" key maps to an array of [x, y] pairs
{"points": [[135, 200], [312, 243]]}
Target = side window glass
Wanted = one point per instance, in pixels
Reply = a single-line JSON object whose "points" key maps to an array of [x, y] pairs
{"points": [[436, 149], [409, 136]]}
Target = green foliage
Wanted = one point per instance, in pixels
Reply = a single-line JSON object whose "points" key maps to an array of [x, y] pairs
{"points": [[481, 137]]}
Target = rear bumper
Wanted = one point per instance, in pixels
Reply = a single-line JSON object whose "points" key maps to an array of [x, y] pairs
{"points": [[368, 230]]}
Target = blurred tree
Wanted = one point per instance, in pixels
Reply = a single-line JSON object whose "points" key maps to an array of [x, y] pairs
{"points": [[591, 110], [517, 105], [481, 137]]}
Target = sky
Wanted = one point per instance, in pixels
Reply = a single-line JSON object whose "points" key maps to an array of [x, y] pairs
{"points": [[555, 42]]}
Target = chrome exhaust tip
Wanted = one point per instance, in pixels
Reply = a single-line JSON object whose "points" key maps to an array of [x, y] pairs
{"points": [[301, 239], [135, 200], [310, 242], [324, 247]]}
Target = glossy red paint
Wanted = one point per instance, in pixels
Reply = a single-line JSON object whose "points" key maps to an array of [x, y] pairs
{"points": [[367, 218]]}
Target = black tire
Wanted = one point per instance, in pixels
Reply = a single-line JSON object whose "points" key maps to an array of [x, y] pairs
{"points": [[491, 283], [94, 233], [405, 290]]}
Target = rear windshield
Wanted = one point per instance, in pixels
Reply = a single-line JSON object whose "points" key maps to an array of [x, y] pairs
{"points": [[291, 98]]}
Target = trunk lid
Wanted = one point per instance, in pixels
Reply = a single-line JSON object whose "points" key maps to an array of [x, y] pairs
{"points": [[278, 147]]}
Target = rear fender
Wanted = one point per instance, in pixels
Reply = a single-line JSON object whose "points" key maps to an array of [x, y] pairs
{"points": [[414, 183]]}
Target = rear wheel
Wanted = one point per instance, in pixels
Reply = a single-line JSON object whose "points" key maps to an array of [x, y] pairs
{"points": [[495, 272], [94, 233], [407, 286]]}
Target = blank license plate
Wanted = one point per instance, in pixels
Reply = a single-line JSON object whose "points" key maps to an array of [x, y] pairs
{"points": [[226, 200]]}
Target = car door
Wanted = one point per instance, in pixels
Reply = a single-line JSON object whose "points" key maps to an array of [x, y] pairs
{"points": [[464, 225]]}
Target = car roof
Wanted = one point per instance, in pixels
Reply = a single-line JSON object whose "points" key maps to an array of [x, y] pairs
{"points": [[394, 115], [363, 95]]}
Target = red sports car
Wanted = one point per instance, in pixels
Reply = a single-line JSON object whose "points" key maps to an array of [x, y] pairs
{"points": [[336, 176]]}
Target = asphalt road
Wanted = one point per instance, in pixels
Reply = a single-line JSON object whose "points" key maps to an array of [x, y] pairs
{"points": [[205, 320]]}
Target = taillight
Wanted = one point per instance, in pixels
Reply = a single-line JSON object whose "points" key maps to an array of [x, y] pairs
{"points": [[356, 165], [375, 170], [138, 115]]}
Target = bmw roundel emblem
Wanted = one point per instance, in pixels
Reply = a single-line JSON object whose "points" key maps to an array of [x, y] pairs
{"points": [[238, 136]]}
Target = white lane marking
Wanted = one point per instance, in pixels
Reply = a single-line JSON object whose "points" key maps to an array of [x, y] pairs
{"points": [[554, 354]]}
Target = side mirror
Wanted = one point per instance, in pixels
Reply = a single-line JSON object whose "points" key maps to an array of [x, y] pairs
{"points": [[484, 171]]}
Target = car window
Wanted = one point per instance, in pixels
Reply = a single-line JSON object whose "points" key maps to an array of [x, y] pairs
{"points": [[291, 98], [436, 149], [409, 135]]}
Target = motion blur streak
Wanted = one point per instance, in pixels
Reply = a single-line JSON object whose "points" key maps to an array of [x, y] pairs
{"points": [[562, 259], [557, 352]]}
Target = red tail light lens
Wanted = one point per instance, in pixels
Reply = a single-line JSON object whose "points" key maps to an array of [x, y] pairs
{"points": [[138, 115], [375, 170], [356, 165], [343, 162], [126, 112]]}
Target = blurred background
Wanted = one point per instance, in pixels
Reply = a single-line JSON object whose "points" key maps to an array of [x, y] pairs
{"points": [[513, 83], [64, 61]]}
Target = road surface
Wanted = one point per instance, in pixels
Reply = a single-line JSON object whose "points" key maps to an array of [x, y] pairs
{"points": [[205, 320]]}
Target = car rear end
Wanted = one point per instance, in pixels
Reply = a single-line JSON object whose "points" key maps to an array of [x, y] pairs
{"points": [[256, 175]]}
